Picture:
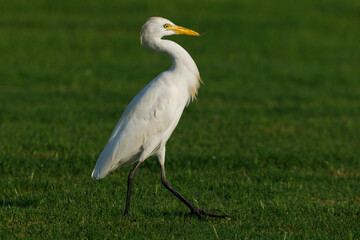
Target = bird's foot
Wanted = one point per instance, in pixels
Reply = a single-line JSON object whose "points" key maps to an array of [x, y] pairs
{"points": [[127, 214], [199, 213]]}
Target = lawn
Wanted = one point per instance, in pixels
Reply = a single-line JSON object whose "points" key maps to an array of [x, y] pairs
{"points": [[273, 139]]}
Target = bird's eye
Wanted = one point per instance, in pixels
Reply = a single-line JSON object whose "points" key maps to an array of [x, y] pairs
{"points": [[166, 25]]}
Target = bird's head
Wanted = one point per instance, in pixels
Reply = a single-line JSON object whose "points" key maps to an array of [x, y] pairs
{"points": [[158, 27]]}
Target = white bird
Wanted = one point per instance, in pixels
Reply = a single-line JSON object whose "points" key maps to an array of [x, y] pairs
{"points": [[148, 121]]}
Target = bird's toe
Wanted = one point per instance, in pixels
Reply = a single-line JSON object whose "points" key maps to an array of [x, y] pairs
{"points": [[199, 213]]}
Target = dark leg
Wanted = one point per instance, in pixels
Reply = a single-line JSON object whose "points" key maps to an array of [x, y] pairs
{"points": [[129, 187], [193, 209]]}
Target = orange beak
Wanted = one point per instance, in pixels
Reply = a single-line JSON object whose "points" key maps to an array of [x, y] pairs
{"points": [[181, 30]]}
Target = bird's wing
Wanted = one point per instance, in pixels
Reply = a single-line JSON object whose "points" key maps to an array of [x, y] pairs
{"points": [[150, 115]]}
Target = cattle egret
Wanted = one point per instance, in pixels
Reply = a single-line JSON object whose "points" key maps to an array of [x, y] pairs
{"points": [[148, 121]]}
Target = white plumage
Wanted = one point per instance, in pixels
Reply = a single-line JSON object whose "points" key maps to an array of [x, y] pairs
{"points": [[151, 117], [148, 121]]}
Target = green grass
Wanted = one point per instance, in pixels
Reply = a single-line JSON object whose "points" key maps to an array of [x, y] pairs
{"points": [[273, 139]]}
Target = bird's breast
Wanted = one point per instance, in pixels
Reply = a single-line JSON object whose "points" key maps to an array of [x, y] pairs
{"points": [[186, 83]]}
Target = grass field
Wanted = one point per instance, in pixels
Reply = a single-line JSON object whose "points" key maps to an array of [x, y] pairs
{"points": [[273, 140]]}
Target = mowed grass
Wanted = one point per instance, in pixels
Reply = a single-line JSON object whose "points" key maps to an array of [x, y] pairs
{"points": [[273, 140]]}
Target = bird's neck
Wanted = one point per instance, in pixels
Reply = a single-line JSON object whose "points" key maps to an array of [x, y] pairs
{"points": [[180, 57], [182, 63]]}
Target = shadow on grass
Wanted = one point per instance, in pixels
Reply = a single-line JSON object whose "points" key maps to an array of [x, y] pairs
{"points": [[25, 203], [184, 215]]}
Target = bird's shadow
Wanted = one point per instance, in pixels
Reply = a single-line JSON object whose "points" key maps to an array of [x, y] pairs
{"points": [[178, 214], [23, 203]]}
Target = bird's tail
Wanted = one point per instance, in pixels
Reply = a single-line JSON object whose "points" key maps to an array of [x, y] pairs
{"points": [[95, 174], [104, 164]]}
